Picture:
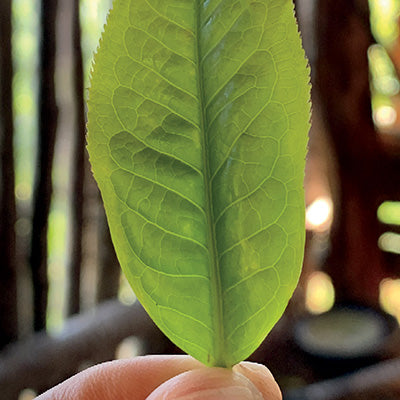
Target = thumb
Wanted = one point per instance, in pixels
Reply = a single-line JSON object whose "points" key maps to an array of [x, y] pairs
{"points": [[247, 381]]}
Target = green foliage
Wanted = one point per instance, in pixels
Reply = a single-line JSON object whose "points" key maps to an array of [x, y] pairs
{"points": [[198, 121], [383, 16], [389, 212]]}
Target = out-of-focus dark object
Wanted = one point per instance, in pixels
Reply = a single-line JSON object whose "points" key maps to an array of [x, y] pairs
{"points": [[8, 262], [380, 382], [43, 187], [344, 339]]}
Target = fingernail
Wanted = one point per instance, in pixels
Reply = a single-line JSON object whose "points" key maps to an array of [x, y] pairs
{"points": [[232, 393], [261, 377], [240, 389], [208, 384], [258, 370]]}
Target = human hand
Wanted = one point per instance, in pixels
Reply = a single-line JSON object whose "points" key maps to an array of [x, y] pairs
{"points": [[167, 378]]}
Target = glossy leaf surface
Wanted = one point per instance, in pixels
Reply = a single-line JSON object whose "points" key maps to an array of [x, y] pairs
{"points": [[198, 122]]}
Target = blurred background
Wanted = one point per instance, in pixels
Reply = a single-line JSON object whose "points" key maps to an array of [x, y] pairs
{"points": [[64, 304]]}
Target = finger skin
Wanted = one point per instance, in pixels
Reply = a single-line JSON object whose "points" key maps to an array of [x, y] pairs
{"points": [[261, 378], [167, 378], [123, 380], [247, 381]]}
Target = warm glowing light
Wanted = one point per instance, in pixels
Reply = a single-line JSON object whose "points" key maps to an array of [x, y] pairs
{"points": [[390, 242], [384, 15], [93, 8], [319, 214], [27, 394], [384, 4], [130, 347], [320, 293], [389, 212], [23, 191], [125, 292], [385, 116], [389, 296]]}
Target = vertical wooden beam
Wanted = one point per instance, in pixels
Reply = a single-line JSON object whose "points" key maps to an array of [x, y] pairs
{"points": [[78, 169], [109, 269], [343, 38], [48, 115], [8, 265]]}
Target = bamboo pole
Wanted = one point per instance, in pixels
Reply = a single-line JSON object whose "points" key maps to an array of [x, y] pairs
{"points": [[8, 265], [48, 115], [78, 168]]}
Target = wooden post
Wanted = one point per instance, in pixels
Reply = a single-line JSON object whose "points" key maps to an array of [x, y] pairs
{"points": [[109, 269], [48, 113], [8, 265], [78, 169]]}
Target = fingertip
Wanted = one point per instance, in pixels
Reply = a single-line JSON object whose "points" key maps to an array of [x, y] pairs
{"points": [[132, 379], [261, 377], [207, 384]]}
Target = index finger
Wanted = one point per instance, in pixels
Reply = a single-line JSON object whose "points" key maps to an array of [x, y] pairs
{"points": [[131, 379]]}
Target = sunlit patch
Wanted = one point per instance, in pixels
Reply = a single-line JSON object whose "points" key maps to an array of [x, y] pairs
{"points": [[319, 214], [389, 297], [125, 292], [383, 75], [390, 242], [27, 394], [389, 212], [385, 116], [130, 347], [23, 191], [383, 15], [320, 293], [93, 7]]}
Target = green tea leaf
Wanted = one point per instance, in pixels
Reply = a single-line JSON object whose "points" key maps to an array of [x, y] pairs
{"points": [[198, 121]]}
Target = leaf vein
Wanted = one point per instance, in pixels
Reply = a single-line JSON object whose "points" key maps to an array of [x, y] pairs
{"points": [[161, 185], [162, 105], [229, 103], [164, 45], [173, 334], [165, 79], [244, 130], [168, 19], [249, 194], [253, 234], [187, 316], [165, 230], [157, 271], [256, 313], [257, 47], [164, 153], [209, 51], [227, 290]]}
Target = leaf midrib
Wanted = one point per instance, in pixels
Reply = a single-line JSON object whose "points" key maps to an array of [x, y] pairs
{"points": [[215, 276]]}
